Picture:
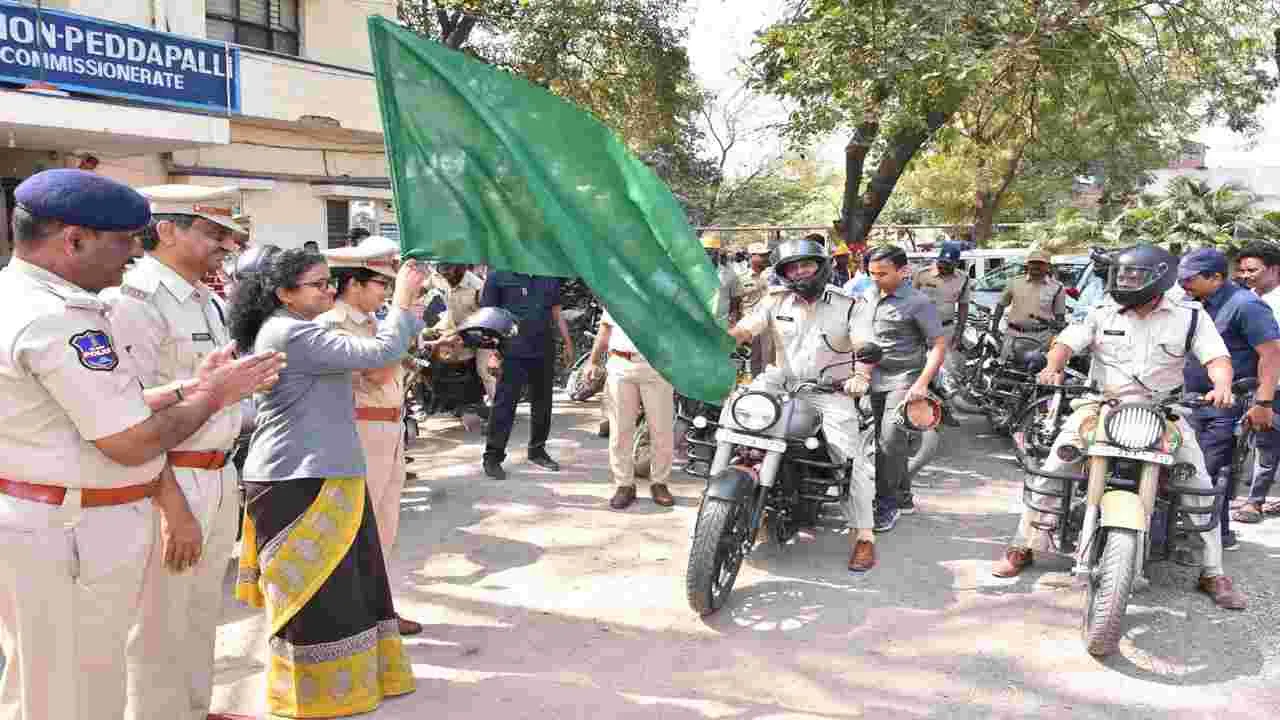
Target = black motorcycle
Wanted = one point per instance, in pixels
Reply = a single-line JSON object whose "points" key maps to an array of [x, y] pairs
{"points": [[771, 462]]}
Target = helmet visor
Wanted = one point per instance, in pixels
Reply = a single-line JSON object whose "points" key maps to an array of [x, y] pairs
{"points": [[1133, 278]]}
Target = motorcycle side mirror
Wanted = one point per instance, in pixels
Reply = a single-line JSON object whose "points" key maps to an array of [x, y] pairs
{"points": [[868, 352]]}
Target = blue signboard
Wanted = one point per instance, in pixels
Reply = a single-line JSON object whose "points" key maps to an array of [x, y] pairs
{"points": [[97, 57]]}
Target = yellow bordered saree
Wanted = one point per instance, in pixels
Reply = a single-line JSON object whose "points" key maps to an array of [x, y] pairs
{"points": [[312, 559]]}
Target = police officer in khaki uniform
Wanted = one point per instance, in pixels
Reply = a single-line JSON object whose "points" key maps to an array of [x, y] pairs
{"points": [[171, 321], [798, 315], [1035, 302], [82, 451], [727, 301], [1138, 340], [752, 287], [949, 292], [462, 299], [632, 384]]}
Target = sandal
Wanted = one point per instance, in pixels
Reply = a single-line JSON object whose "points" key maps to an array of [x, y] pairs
{"points": [[1248, 513]]}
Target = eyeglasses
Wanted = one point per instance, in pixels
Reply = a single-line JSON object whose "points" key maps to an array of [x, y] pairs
{"points": [[319, 284]]}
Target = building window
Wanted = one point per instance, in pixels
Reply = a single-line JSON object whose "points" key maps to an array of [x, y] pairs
{"points": [[267, 24]]}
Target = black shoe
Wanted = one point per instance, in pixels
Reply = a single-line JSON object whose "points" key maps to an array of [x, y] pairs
{"points": [[544, 461], [886, 516], [907, 505], [493, 469]]}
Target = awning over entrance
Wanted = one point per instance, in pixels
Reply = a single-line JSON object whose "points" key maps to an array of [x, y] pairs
{"points": [[39, 122]]}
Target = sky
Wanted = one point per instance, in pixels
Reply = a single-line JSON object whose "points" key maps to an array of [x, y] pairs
{"points": [[720, 38]]}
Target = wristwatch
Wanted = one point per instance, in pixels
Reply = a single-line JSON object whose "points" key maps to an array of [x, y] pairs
{"points": [[1262, 403]]}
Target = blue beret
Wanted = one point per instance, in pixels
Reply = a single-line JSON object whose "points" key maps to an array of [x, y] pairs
{"points": [[1204, 260], [86, 199]]}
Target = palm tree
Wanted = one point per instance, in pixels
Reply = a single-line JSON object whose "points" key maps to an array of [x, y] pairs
{"points": [[1192, 213]]}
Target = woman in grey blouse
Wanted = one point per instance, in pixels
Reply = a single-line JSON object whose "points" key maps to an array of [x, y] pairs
{"points": [[311, 554]]}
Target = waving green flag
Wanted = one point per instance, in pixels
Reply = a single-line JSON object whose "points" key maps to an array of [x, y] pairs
{"points": [[488, 168]]}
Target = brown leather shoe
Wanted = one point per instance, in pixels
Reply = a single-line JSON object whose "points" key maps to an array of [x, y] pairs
{"points": [[408, 627], [1219, 587], [661, 495], [1015, 560], [863, 557], [623, 497]]}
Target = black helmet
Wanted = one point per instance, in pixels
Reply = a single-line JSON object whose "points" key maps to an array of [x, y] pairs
{"points": [[1140, 274], [488, 327], [795, 251]]}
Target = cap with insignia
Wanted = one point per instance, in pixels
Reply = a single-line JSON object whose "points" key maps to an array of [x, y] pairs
{"points": [[82, 198], [377, 253], [758, 249], [215, 204]]}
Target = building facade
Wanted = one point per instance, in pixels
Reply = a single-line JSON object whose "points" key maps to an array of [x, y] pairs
{"points": [[275, 97]]}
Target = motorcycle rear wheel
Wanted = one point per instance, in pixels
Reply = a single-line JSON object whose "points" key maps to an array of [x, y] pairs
{"points": [[716, 555], [642, 450], [1108, 589]]}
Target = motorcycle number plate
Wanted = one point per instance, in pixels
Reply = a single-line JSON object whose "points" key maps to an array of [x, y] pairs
{"points": [[737, 438], [1151, 456]]}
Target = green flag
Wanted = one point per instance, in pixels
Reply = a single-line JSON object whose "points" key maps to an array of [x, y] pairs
{"points": [[488, 168]]}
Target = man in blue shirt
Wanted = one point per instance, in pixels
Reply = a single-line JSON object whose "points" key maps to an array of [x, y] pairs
{"points": [[1249, 329], [527, 359]]}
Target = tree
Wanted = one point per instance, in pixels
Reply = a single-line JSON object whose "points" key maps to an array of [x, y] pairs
{"points": [[1193, 213], [623, 60], [1067, 81]]}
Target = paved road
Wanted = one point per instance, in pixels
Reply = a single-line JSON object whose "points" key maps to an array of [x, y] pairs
{"points": [[540, 602]]}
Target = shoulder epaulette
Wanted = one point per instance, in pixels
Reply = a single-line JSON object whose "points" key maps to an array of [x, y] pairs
{"points": [[134, 292]]}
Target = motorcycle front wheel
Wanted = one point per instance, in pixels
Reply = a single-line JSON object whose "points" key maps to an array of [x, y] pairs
{"points": [[1108, 588], [716, 555]]}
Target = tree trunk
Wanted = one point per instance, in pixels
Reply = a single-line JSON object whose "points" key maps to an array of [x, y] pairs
{"points": [[984, 218], [855, 157], [862, 212]]}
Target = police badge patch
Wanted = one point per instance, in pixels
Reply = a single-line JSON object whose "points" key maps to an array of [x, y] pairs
{"points": [[95, 351]]}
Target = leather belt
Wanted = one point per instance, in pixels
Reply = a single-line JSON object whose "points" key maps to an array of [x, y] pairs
{"points": [[1028, 328], [89, 497], [378, 414], [632, 356], [198, 459]]}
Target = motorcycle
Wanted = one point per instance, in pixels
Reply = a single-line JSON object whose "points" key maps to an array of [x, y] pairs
{"points": [[436, 382], [582, 315], [1106, 516], [772, 466]]}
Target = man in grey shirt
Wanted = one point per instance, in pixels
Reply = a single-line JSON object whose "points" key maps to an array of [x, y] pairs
{"points": [[904, 323]]}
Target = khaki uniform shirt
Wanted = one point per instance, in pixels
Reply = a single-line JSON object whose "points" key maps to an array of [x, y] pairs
{"points": [[345, 318], [752, 288], [1128, 350], [1033, 304], [946, 293], [796, 326], [168, 327], [461, 302], [65, 382], [728, 291]]}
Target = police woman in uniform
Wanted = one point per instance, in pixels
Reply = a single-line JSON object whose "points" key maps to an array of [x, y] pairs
{"points": [[311, 553]]}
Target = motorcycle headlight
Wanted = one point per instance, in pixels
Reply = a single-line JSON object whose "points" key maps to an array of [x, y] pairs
{"points": [[754, 411], [1134, 427]]}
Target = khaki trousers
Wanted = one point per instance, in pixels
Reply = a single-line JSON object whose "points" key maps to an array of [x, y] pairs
{"points": [[68, 596], [629, 385], [170, 654], [383, 444]]}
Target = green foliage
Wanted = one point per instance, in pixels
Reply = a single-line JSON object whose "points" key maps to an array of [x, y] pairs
{"points": [[1108, 87], [1192, 213]]}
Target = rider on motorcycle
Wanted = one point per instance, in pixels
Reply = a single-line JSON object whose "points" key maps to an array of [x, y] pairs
{"points": [[803, 315], [1138, 340]]}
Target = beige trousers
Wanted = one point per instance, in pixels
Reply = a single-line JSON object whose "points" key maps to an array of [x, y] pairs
{"points": [[630, 385], [170, 654], [68, 596], [383, 444]]}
